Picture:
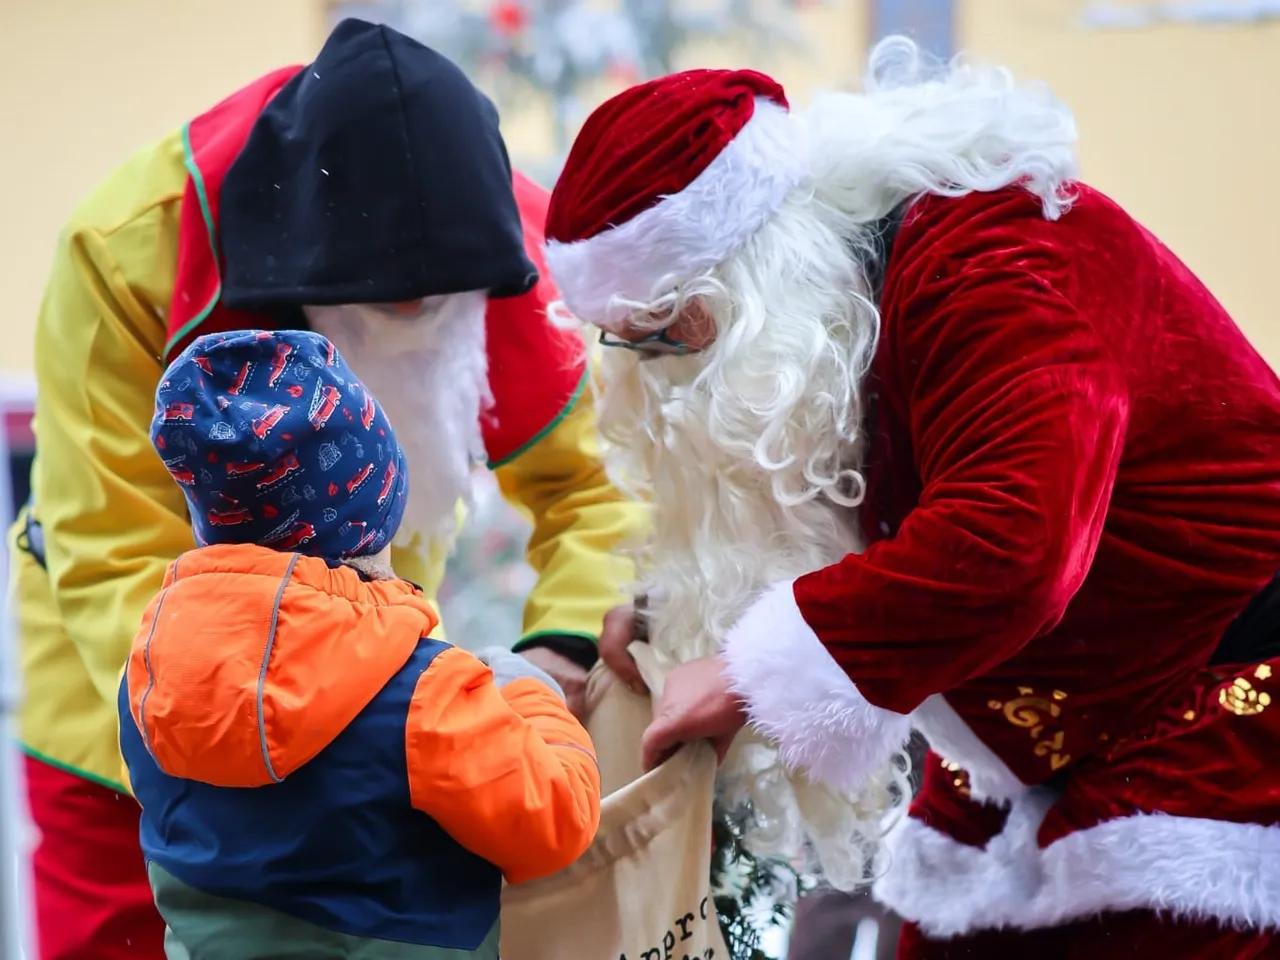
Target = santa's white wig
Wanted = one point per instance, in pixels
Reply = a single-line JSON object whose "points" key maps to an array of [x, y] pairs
{"points": [[750, 451]]}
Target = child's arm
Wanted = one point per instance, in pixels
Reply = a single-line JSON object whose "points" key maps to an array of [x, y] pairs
{"points": [[505, 769]]}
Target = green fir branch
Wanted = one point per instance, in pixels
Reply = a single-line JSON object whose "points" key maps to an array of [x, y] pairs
{"points": [[752, 895]]}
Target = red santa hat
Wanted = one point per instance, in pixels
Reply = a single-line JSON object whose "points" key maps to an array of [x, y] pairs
{"points": [[668, 179]]}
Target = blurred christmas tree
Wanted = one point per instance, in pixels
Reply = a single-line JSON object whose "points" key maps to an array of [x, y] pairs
{"points": [[563, 51], [482, 597]]}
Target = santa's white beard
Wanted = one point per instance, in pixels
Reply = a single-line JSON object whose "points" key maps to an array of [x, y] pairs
{"points": [[749, 454], [429, 372]]}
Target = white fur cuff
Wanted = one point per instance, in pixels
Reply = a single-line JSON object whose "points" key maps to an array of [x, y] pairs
{"points": [[799, 697]]}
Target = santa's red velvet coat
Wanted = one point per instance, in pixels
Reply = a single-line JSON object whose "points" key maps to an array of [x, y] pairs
{"points": [[1073, 488]]}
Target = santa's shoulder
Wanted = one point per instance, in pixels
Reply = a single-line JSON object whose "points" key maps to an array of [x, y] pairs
{"points": [[1010, 217]]}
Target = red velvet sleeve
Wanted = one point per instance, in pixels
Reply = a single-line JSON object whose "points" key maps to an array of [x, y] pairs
{"points": [[1016, 413]]}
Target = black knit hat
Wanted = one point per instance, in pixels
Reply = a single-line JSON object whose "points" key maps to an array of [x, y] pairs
{"points": [[375, 175]]}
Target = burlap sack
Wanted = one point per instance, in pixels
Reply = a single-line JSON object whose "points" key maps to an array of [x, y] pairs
{"points": [[642, 890]]}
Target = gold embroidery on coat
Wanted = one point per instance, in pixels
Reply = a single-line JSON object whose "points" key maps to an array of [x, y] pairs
{"points": [[1242, 699], [1028, 711], [1034, 714]]}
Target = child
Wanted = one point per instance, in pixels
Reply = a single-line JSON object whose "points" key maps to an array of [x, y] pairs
{"points": [[317, 777]]}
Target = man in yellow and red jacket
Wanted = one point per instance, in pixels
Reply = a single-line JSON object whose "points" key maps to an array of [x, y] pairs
{"points": [[367, 195]]}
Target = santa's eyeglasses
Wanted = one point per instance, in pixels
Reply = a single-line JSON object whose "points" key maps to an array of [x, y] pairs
{"points": [[658, 343]]}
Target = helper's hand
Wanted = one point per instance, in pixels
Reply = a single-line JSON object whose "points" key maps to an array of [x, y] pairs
{"points": [[696, 704], [569, 675], [618, 632]]}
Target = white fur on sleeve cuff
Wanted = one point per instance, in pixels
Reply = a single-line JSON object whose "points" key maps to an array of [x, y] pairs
{"points": [[799, 697]]}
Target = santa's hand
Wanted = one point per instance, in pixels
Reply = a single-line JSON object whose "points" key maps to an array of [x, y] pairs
{"points": [[696, 704], [571, 678], [616, 635]]}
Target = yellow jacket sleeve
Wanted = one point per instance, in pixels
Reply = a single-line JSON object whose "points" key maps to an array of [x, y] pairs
{"points": [[111, 515], [581, 526], [508, 773]]}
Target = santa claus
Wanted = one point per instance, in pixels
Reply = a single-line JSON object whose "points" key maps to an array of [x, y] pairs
{"points": [[939, 437]]}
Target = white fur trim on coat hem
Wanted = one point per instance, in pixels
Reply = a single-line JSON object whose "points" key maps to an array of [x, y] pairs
{"points": [[1188, 867], [799, 697], [990, 779], [690, 231]]}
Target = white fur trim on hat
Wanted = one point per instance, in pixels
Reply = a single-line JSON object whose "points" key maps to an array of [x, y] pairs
{"points": [[687, 232], [1190, 867], [798, 696]]}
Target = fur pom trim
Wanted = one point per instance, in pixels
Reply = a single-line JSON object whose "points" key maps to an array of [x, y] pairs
{"points": [[1186, 867], [690, 231], [799, 697]]}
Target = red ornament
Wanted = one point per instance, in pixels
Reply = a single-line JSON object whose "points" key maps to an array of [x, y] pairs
{"points": [[508, 18], [622, 73]]}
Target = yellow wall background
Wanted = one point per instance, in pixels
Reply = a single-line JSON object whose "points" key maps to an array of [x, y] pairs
{"points": [[85, 83], [1177, 122]]}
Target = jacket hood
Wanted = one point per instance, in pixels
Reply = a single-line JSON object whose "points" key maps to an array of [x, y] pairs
{"points": [[376, 174], [250, 661]]}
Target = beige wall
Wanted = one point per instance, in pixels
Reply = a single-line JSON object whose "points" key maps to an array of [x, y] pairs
{"points": [[84, 83], [1177, 122]]}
